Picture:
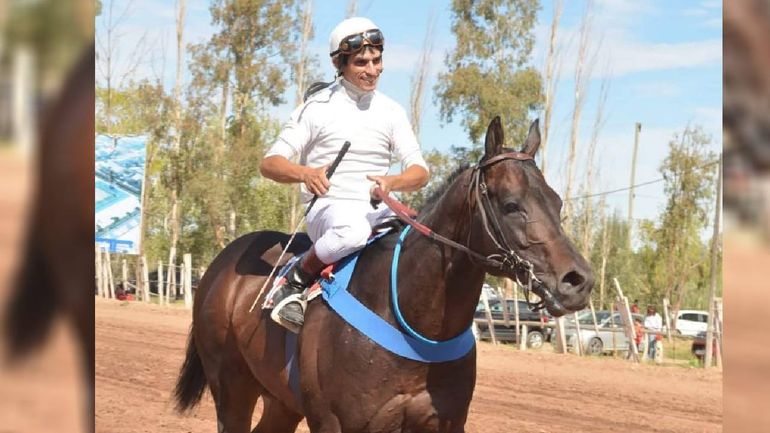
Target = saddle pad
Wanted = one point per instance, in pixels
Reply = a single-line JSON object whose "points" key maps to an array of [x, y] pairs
{"points": [[326, 275]]}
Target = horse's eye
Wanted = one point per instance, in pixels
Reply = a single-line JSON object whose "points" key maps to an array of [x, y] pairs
{"points": [[511, 207]]}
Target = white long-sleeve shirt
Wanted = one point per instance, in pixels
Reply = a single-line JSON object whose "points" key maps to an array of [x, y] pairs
{"points": [[654, 322], [376, 126]]}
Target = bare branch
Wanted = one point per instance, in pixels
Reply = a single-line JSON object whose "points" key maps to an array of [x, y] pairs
{"points": [[420, 76], [551, 79], [307, 30], [583, 69], [351, 9]]}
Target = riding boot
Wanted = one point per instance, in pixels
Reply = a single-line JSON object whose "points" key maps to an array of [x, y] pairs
{"points": [[289, 299]]}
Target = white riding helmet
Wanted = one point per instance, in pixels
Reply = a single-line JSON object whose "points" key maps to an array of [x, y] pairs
{"points": [[349, 27]]}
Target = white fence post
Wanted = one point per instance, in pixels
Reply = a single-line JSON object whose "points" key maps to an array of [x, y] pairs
{"points": [[161, 286], [145, 281], [99, 272], [188, 300], [110, 280]]}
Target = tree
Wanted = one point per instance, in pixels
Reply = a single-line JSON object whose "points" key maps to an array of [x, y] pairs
{"points": [[245, 67], [302, 77], [583, 69], [441, 166], [486, 74], [111, 64], [176, 140], [55, 31], [676, 256]]}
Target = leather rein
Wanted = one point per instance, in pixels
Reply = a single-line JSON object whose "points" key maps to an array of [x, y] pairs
{"points": [[505, 258]]}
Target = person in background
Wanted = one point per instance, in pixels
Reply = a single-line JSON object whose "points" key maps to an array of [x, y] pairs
{"points": [[635, 306], [652, 322]]}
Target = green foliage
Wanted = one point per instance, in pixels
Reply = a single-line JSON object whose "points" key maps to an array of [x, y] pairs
{"points": [[225, 128], [679, 266], [243, 68], [486, 74], [140, 108], [52, 29], [440, 166]]}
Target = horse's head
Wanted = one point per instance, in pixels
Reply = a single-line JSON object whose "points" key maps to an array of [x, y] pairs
{"points": [[517, 216]]}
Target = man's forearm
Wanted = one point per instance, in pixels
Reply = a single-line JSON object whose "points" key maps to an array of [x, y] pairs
{"points": [[411, 179], [282, 170]]}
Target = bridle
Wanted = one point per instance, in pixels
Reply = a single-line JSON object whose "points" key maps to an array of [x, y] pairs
{"points": [[506, 258]]}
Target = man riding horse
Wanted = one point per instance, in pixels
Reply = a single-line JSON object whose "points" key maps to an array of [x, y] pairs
{"points": [[349, 109]]}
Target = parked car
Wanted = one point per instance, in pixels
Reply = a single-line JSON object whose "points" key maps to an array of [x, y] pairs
{"points": [[536, 334], [610, 337], [691, 322]]}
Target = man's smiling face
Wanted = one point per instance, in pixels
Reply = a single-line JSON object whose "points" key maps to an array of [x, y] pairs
{"points": [[363, 68]]}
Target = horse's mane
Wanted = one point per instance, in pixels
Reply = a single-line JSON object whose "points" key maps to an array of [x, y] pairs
{"points": [[439, 191]]}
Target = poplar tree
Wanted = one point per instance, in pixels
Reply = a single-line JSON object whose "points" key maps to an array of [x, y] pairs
{"points": [[487, 73]]}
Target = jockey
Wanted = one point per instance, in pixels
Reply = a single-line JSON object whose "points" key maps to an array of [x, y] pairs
{"points": [[348, 109]]}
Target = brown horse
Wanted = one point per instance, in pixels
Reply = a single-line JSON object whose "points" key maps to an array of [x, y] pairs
{"points": [[349, 383]]}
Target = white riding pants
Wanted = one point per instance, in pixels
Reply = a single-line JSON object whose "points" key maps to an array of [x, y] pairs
{"points": [[341, 227]]}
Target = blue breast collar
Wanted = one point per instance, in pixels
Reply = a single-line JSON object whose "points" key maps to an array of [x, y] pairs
{"points": [[409, 345]]}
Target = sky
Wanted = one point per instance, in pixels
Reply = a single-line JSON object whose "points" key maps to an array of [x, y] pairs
{"points": [[662, 60]]}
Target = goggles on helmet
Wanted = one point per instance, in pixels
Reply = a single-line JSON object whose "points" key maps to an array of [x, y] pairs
{"points": [[353, 43]]}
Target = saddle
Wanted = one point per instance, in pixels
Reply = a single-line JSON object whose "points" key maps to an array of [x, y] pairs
{"points": [[328, 273]]}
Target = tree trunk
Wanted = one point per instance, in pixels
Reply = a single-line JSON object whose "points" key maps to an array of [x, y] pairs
{"points": [[550, 80], [174, 223]]}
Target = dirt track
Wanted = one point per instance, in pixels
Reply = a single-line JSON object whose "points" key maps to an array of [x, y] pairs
{"points": [[140, 348]]}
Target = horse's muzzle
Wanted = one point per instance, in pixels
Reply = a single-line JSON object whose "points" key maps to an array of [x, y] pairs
{"points": [[554, 307]]}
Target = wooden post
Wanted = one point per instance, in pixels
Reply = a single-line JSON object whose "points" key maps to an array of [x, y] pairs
{"points": [[714, 264], [637, 129], [504, 302], [628, 320], [145, 280], [161, 285], [188, 300], [110, 280], [524, 333], [578, 337], [105, 275], [170, 282], [124, 269], [612, 325], [138, 278], [490, 322], [516, 314], [99, 272], [593, 315], [560, 337], [717, 331]]}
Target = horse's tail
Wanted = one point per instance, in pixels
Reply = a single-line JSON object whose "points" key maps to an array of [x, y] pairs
{"points": [[192, 380], [33, 306]]}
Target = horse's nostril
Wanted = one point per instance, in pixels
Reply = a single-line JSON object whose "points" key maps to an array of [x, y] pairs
{"points": [[573, 278]]}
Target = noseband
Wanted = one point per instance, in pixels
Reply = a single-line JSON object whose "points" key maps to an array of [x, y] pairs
{"points": [[505, 258]]}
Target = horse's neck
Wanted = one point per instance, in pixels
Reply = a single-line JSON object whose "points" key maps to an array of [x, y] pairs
{"points": [[440, 286]]}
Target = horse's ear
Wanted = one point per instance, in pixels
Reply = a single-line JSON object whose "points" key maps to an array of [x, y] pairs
{"points": [[494, 141], [532, 143]]}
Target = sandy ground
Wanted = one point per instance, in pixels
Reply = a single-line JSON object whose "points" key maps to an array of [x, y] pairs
{"points": [[140, 348], [42, 393], [747, 354]]}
